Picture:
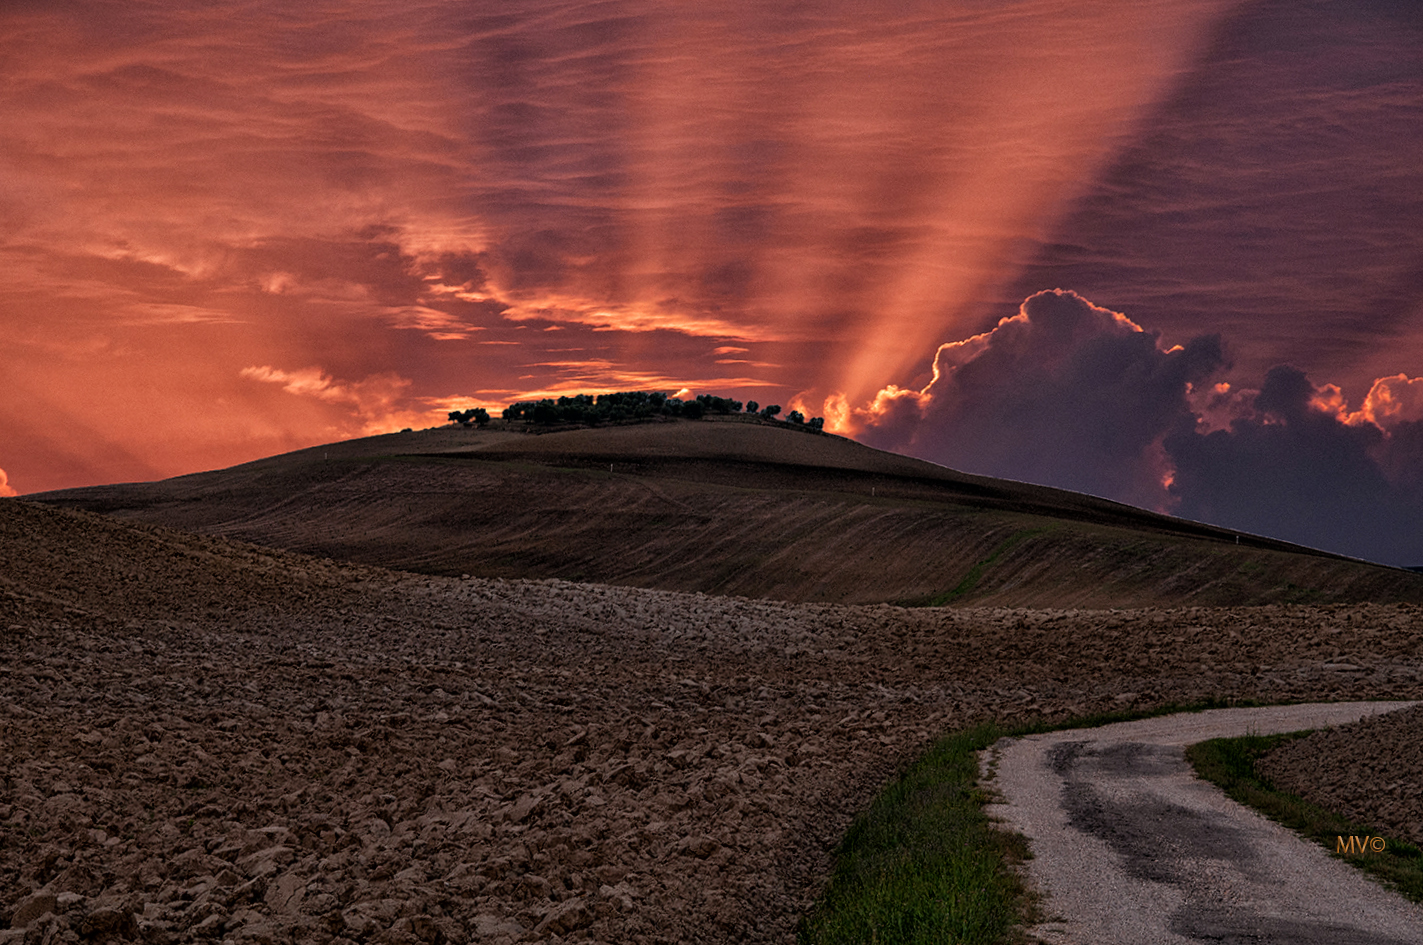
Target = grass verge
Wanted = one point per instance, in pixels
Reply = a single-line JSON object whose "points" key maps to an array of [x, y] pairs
{"points": [[925, 865], [1229, 763]]}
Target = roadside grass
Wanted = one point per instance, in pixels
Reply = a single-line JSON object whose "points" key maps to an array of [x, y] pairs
{"points": [[1229, 763], [924, 864]]}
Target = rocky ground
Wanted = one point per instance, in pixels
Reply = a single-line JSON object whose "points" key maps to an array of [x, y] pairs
{"points": [[205, 741], [1370, 771]]}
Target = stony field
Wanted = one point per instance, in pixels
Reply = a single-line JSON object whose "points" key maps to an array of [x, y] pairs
{"points": [[206, 741], [1370, 771]]}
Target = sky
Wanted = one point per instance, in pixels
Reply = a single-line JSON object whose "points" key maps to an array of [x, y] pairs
{"points": [[1162, 251]]}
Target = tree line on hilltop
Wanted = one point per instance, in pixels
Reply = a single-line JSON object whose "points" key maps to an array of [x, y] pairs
{"points": [[628, 405]]}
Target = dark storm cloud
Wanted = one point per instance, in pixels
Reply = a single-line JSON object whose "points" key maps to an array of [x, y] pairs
{"points": [[1072, 395], [1274, 199], [1065, 394], [1295, 472]]}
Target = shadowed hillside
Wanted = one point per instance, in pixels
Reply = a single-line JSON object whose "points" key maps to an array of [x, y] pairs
{"points": [[731, 506]]}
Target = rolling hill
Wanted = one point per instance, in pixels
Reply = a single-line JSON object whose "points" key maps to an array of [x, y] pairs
{"points": [[209, 737], [730, 506]]}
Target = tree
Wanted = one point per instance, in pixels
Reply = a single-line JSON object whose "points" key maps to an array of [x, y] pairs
{"points": [[620, 407], [795, 416], [721, 405], [476, 415], [816, 423]]}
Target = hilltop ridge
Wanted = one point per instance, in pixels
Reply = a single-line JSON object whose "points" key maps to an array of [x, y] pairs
{"points": [[732, 506]]}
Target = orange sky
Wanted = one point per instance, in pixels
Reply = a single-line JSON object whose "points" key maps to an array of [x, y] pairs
{"points": [[235, 229]]}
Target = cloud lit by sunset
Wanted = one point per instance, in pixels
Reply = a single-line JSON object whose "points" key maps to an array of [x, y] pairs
{"points": [[1069, 394], [232, 230]]}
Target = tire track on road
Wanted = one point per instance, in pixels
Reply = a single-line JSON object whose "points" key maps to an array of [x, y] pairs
{"points": [[1130, 847]]}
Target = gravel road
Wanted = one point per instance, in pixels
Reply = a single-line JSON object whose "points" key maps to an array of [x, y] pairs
{"points": [[1129, 847]]}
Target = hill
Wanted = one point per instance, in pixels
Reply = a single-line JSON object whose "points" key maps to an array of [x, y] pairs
{"points": [[730, 506], [207, 739]]}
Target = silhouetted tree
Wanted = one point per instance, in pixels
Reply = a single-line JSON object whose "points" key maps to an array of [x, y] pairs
{"points": [[613, 408], [816, 423], [721, 405], [795, 416], [630, 405], [476, 415]]}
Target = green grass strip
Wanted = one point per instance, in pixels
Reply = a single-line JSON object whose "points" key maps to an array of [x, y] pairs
{"points": [[923, 864], [1229, 763]]}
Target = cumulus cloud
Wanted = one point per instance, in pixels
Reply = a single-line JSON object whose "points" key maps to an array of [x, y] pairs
{"points": [[1293, 470], [1069, 394], [1393, 401], [6, 489], [1063, 393]]}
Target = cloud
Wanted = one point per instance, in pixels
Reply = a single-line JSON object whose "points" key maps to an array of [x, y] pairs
{"points": [[1230, 210], [6, 489], [1066, 393], [598, 375], [377, 400], [1393, 401], [1294, 469], [435, 191], [614, 166]]}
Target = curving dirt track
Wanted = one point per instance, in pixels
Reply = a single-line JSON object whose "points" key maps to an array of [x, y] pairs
{"points": [[1130, 848], [210, 741]]}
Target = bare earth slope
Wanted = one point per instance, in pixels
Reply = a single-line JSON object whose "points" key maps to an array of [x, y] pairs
{"points": [[206, 740], [731, 507]]}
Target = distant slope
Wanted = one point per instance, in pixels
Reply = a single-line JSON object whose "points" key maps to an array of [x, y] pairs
{"points": [[64, 564], [731, 506]]}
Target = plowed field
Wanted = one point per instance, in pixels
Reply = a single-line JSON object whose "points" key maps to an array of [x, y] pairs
{"points": [[205, 740]]}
